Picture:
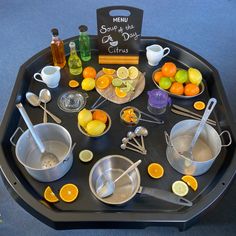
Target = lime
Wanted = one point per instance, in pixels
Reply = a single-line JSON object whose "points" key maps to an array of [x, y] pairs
{"points": [[84, 117], [85, 155], [195, 76], [122, 72], [165, 83], [117, 82], [133, 72], [181, 76], [95, 127], [180, 188], [88, 84]]}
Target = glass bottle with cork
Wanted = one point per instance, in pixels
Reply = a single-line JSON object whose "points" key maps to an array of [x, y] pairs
{"points": [[74, 62], [84, 43], [57, 49]]}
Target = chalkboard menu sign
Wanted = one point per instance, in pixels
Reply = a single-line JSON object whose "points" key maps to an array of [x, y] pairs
{"points": [[119, 35]]}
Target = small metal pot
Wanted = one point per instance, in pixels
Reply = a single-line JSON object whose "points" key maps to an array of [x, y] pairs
{"points": [[128, 186], [57, 141], [179, 141]]}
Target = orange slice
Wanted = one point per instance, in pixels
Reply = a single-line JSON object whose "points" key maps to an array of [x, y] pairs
{"points": [[49, 195], [190, 181], [199, 105], [155, 170], [108, 71], [73, 83], [103, 81], [120, 93], [68, 192]]}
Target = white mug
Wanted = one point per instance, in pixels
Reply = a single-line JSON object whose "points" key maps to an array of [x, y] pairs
{"points": [[50, 76], [155, 53]]}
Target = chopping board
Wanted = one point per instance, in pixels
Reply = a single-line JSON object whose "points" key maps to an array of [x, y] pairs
{"points": [[109, 92]]}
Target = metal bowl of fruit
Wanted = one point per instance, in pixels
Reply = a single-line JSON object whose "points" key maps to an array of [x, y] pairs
{"points": [[93, 123], [179, 82]]}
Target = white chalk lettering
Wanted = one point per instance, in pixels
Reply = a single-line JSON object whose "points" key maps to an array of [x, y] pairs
{"points": [[117, 50], [126, 36], [120, 19], [104, 30]]}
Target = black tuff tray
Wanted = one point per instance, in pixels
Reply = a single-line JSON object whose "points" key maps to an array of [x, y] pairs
{"points": [[141, 211]]}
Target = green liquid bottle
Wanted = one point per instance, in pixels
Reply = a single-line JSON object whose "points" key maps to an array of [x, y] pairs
{"points": [[84, 43], [74, 62]]}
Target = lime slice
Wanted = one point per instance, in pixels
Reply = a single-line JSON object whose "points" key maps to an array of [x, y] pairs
{"points": [[133, 72], [180, 188], [125, 89], [85, 155], [122, 72], [117, 82]]}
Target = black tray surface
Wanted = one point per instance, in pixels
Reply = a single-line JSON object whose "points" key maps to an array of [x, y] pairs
{"points": [[141, 211]]}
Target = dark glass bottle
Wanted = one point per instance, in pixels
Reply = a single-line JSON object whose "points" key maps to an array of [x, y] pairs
{"points": [[57, 49], [84, 43]]}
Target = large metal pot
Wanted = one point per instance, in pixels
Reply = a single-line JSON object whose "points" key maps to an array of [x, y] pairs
{"points": [[56, 139], [204, 153]]}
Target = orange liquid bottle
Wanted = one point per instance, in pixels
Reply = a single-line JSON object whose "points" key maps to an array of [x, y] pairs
{"points": [[57, 49]]}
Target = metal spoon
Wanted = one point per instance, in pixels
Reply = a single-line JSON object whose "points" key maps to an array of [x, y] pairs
{"points": [[107, 188], [142, 132], [33, 99], [210, 106], [126, 141], [48, 159], [123, 147], [45, 97], [132, 135]]}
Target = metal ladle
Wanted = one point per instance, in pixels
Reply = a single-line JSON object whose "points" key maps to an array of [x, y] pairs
{"points": [[34, 100], [48, 159], [210, 106], [107, 188], [45, 97], [142, 132]]}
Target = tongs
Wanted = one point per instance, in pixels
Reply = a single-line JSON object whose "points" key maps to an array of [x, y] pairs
{"points": [[187, 113]]}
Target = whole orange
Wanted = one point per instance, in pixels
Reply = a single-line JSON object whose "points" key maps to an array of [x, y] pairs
{"points": [[177, 88], [157, 76], [100, 115], [89, 72], [169, 69], [191, 89]]}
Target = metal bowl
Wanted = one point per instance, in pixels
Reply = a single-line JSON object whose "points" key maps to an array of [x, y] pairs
{"points": [[111, 167], [108, 126], [137, 113], [201, 86]]}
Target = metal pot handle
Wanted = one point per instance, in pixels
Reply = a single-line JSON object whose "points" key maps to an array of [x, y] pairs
{"points": [[167, 138], [70, 151], [14, 134], [230, 138]]}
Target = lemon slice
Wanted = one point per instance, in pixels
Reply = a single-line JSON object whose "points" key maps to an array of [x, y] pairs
{"points": [[117, 82], [122, 72], [133, 72], [180, 188], [85, 155]]}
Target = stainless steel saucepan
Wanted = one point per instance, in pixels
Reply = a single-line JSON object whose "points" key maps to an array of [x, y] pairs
{"points": [[110, 167]]}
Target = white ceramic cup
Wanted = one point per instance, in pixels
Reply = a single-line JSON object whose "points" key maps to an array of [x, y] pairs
{"points": [[50, 76], [155, 53]]}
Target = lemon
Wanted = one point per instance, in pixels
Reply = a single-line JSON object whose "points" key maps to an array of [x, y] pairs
{"points": [[194, 76], [84, 117], [122, 72], [88, 84], [180, 188], [95, 127], [133, 72]]}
